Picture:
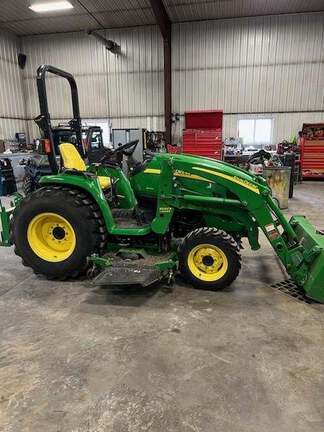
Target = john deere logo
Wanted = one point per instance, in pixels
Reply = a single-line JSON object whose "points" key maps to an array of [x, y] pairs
{"points": [[243, 181], [234, 179], [165, 209], [188, 175], [179, 173]]}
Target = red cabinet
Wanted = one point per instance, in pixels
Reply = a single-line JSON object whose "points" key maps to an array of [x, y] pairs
{"points": [[203, 133], [312, 150]]}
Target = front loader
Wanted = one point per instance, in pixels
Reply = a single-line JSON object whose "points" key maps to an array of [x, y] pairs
{"points": [[175, 212]]}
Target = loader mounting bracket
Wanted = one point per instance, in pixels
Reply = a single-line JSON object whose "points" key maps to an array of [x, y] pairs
{"points": [[5, 215]]}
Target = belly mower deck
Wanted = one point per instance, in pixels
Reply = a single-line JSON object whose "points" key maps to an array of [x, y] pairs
{"points": [[132, 267]]}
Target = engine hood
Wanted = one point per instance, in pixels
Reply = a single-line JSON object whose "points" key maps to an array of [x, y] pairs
{"points": [[203, 163]]}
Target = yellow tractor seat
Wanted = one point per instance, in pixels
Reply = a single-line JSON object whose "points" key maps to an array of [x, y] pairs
{"points": [[73, 161]]}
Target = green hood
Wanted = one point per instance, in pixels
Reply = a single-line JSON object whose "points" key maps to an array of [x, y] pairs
{"points": [[199, 172], [209, 163]]}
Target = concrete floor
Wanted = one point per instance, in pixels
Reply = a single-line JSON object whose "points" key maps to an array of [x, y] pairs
{"points": [[74, 358]]}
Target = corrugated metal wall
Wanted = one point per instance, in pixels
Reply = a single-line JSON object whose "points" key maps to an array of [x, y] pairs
{"points": [[127, 89], [12, 112], [272, 65], [267, 64]]}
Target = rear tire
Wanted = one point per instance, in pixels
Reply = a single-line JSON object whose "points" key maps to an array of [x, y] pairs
{"points": [[209, 259], [55, 229]]}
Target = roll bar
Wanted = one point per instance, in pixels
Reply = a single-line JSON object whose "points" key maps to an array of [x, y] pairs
{"points": [[44, 119]]}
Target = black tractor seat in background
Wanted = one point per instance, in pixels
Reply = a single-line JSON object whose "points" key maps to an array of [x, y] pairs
{"points": [[7, 178]]}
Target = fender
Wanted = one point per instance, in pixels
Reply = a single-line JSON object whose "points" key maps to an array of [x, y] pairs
{"points": [[84, 183], [91, 185]]}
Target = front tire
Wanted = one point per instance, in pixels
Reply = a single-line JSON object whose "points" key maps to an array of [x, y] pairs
{"points": [[55, 229], [209, 259]]}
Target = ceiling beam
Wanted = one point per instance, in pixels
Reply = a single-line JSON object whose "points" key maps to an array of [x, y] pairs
{"points": [[162, 18], [91, 15], [164, 24]]}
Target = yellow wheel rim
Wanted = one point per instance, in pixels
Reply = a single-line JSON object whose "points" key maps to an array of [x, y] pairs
{"points": [[207, 262], [51, 237]]}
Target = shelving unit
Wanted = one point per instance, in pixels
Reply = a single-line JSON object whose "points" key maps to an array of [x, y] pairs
{"points": [[203, 133], [312, 150]]}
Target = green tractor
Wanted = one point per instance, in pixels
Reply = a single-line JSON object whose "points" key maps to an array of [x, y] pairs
{"points": [[174, 212]]}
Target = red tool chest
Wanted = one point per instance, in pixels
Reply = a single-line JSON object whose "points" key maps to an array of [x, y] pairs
{"points": [[312, 150], [203, 133]]}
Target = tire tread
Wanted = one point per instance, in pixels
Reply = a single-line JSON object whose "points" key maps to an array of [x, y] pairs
{"points": [[76, 198], [220, 236]]}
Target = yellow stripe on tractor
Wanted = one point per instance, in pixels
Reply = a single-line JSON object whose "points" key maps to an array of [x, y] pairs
{"points": [[152, 171], [246, 184], [178, 173]]}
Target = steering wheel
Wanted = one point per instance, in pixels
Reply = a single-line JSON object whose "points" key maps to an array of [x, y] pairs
{"points": [[127, 149], [111, 157]]}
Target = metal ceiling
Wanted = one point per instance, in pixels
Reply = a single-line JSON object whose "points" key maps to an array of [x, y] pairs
{"points": [[196, 10], [86, 14], [96, 14]]}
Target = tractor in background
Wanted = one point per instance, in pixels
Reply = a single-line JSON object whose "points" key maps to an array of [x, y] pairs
{"points": [[38, 166]]}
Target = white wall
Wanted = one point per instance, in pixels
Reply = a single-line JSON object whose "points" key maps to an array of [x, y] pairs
{"points": [[12, 109], [127, 89], [272, 65]]}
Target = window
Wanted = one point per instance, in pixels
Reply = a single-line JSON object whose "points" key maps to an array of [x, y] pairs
{"points": [[255, 132], [96, 140], [105, 126]]}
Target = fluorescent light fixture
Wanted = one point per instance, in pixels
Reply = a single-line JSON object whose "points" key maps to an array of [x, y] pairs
{"points": [[50, 6]]}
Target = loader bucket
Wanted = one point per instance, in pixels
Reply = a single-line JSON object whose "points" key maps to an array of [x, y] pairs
{"points": [[312, 242]]}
